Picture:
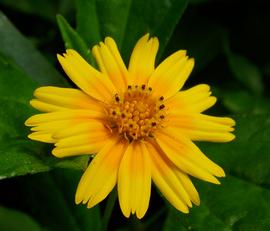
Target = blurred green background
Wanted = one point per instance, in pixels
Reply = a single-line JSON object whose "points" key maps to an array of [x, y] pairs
{"points": [[230, 43]]}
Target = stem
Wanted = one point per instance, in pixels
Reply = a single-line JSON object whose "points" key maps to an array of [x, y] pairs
{"points": [[108, 210]]}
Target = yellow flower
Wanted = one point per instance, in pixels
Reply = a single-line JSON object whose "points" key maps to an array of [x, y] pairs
{"points": [[136, 121]]}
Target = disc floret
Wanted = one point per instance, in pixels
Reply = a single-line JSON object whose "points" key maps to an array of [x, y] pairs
{"points": [[136, 114]]}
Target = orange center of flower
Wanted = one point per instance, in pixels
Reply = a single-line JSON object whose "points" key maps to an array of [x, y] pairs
{"points": [[136, 114]]}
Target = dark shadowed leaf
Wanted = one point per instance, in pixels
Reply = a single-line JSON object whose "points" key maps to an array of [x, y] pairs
{"points": [[246, 72], [57, 189], [46, 9], [12, 220], [18, 48], [241, 101], [202, 39], [49, 199], [67, 181]]}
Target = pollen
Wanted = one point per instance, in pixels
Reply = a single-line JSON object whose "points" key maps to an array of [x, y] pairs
{"points": [[136, 114]]}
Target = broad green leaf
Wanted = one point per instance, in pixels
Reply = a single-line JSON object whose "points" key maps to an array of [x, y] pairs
{"points": [[127, 20], [19, 155], [246, 72], [247, 156], [88, 21], [73, 40], [18, 48], [242, 200], [12, 220], [236, 205], [99, 18]]}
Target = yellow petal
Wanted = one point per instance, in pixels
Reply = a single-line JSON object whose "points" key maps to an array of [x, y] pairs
{"points": [[53, 126], [83, 138], [44, 107], [101, 175], [185, 158], [111, 63], [84, 149], [134, 180], [42, 136], [195, 99], [89, 126], [58, 98], [188, 186], [200, 127], [86, 77], [166, 180], [170, 75], [142, 60], [44, 131], [82, 114]]}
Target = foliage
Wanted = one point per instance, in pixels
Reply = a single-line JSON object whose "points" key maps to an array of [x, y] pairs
{"points": [[230, 55]]}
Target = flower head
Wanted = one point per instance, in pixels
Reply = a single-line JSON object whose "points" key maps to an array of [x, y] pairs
{"points": [[138, 123]]}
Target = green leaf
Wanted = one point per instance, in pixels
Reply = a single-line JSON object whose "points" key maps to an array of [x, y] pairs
{"points": [[246, 72], [248, 155], [48, 204], [13, 220], [87, 219], [49, 198], [73, 40], [202, 39], [242, 200], [236, 205], [45, 9], [88, 25], [126, 21], [19, 155], [19, 49], [239, 101]]}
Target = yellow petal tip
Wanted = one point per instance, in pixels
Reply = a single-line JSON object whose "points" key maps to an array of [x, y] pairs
{"points": [[56, 153]]}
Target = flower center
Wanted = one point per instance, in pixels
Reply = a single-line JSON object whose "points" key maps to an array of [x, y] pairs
{"points": [[136, 114]]}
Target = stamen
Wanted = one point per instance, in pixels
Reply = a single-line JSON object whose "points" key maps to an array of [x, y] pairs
{"points": [[117, 98], [161, 106], [135, 114]]}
